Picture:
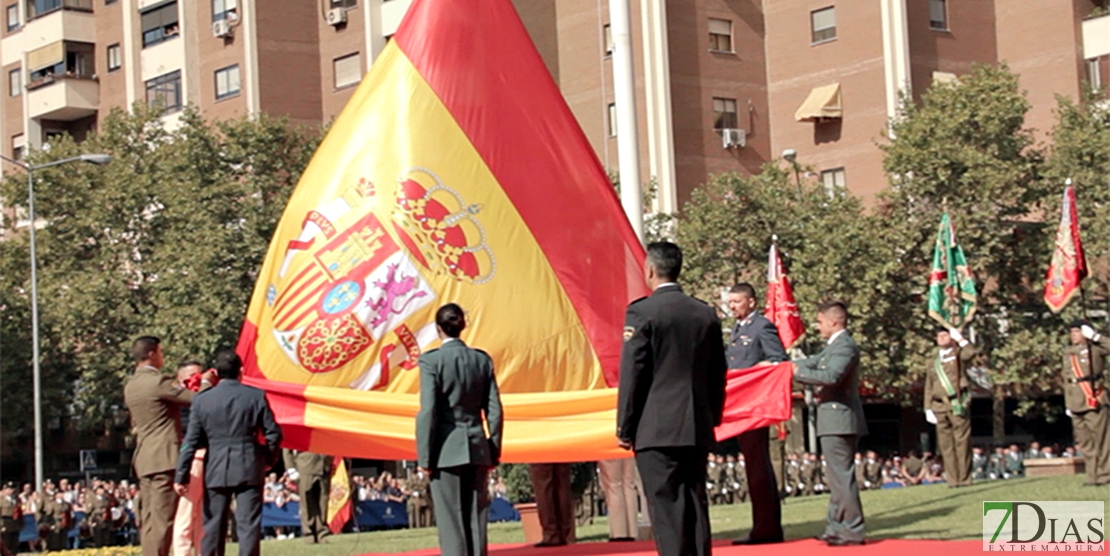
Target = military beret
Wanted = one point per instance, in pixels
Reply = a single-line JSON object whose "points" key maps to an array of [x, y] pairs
{"points": [[1078, 323]]}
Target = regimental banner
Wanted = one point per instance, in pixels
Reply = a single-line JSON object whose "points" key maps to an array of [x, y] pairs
{"points": [[781, 308], [952, 297], [1069, 266], [456, 173]]}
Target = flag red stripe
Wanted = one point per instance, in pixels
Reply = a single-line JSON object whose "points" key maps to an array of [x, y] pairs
{"points": [[296, 289], [514, 115], [286, 400]]}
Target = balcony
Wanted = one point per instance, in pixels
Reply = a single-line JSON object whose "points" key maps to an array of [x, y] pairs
{"points": [[1096, 37], [62, 98]]}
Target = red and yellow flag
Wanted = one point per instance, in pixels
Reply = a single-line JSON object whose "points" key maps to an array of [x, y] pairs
{"points": [[456, 173], [781, 308], [1069, 266], [339, 496]]}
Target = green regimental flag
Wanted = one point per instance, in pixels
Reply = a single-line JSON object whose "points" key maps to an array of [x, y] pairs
{"points": [[952, 297]]}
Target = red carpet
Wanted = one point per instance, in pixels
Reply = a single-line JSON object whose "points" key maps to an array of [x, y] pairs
{"points": [[808, 547]]}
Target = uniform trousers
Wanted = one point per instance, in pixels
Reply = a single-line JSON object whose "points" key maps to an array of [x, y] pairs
{"points": [[620, 481], [554, 501], [157, 507], [762, 488], [845, 515], [314, 506], [674, 482], [461, 498], [1092, 435], [954, 438], [248, 519]]}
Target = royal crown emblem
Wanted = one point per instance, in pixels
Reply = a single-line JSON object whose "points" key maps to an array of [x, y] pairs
{"points": [[440, 229]]}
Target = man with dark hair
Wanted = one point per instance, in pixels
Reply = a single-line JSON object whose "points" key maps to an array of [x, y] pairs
{"points": [[1086, 400], [755, 340], [228, 420], [948, 403], [840, 421], [155, 401], [458, 392], [672, 395]]}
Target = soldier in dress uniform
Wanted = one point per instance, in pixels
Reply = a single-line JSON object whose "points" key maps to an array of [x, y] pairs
{"points": [[733, 472], [718, 476], [314, 472], [11, 518], [55, 520], [979, 464], [755, 340], [948, 403], [873, 471], [793, 475], [808, 471], [1086, 399], [419, 499], [99, 517]]}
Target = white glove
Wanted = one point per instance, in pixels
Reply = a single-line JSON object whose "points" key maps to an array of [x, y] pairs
{"points": [[955, 334], [1089, 333], [1068, 413], [930, 416]]}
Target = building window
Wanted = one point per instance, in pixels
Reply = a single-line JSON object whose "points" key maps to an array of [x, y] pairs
{"points": [[36, 8], [938, 15], [824, 24], [114, 60], [164, 92], [15, 82], [13, 17], [612, 119], [225, 9], [348, 70], [607, 36], [833, 180], [18, 150], [344, 3], [720, 35], [724, 113], [160, 24], [58, 60], [109, 2], [227, 82]]}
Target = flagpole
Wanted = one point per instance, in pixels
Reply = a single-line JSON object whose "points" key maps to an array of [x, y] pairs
{"points": [[628, 141]]}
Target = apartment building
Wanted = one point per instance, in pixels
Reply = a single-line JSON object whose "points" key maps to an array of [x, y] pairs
{"points": [[721, 85]]}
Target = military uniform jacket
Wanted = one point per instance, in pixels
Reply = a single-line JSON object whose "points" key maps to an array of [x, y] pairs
{"points": [[954, 364], [155, 405], [54, 515], [9, 505], [458, 387], [753, 340], [307, 464], [228, 420], [1091, 363], [836, 371], [672, 377]]}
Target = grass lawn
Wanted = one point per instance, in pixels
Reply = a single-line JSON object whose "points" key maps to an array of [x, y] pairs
{"points": [[925, 512]]}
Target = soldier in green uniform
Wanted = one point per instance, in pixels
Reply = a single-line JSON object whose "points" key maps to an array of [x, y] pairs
{"points": [[872, 471], [1086, 399], [718, 477], [948, 404], [737, 480], [314, 470], [793, 475], [11, 519]]}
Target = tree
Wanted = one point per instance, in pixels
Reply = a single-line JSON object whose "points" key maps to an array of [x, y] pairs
{"points": [[167, 239], [965, 150]]}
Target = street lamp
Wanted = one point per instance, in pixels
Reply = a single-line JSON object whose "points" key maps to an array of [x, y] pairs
{"points": [[99, 160], [791, 155]]}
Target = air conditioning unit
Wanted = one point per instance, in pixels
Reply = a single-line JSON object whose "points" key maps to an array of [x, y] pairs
{"points": [[337, 16], [221, 28], [733, 138]]}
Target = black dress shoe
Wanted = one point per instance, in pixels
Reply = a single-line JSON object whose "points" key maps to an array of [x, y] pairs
{"points": [[750, 541], [621, 539], [845, 542], [549, 544], [824, 538]]}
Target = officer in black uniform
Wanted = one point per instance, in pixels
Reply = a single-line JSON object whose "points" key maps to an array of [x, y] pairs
{"points": [[755, 340]]}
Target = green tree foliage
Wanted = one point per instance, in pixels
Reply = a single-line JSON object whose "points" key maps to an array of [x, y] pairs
{"points": [[167, 240]]}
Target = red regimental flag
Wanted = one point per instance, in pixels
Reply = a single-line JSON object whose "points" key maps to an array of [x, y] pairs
{"points": [[1068, 266], [781, 307]]}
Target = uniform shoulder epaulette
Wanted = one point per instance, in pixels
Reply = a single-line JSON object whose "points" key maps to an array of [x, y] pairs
{"points": [[638, 300]]}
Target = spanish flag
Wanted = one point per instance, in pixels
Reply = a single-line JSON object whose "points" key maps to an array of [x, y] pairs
{"points": [[339, 497], [456, 173]]}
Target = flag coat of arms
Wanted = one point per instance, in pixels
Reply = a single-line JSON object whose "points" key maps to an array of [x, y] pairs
{"points": [[456, 173], [952, 295], [1069, 265], [339, 497]]}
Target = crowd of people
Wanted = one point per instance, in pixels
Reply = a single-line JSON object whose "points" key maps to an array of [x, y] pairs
{"points": [[73, 514]]}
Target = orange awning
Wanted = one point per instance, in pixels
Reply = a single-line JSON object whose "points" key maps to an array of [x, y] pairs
{"points": [[822, 103]]}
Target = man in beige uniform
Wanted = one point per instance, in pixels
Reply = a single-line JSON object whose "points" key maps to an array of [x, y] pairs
{"points": [[1086, 399], [315, 472], [11, 519], [154, 400], [948, 404]]}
